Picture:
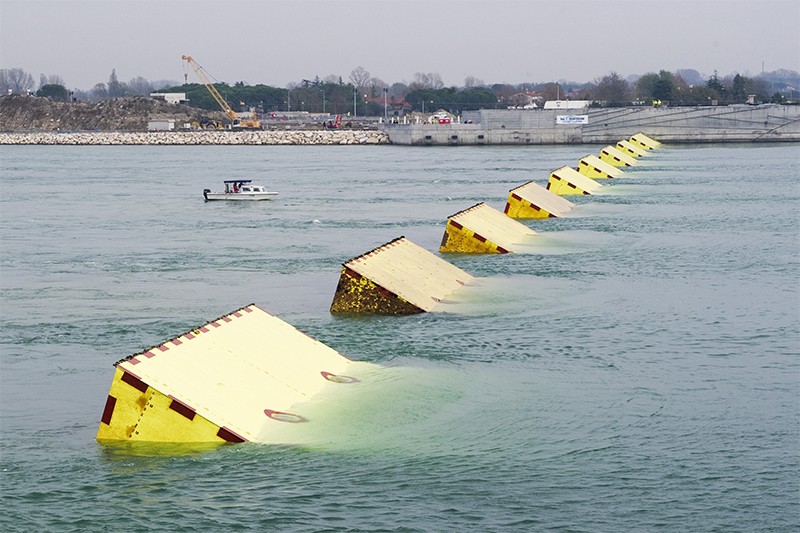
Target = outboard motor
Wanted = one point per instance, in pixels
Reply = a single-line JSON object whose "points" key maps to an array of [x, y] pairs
{"points": [[205, 193]]}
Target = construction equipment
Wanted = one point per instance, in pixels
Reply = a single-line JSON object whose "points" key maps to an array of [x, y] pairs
{"points": [[236, 122], [334, 124]]}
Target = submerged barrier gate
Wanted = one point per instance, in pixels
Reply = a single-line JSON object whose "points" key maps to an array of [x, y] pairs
{"points": [[530, 200], [594, 167], [566, 181], [397, 278], [615, 157], [235, 379], [482, 229]]}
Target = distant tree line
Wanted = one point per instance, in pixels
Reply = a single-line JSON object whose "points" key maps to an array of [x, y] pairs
{"points": [[363, 94], [673, 88], [17, 81]]}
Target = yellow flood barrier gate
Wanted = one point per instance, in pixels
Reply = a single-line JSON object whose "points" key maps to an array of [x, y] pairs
{"points": [[481, 229], [239, 378], [643, 141], [531, 200], [397, 278], [629, 148], [614, 156], [568, 181], [594, 167]]}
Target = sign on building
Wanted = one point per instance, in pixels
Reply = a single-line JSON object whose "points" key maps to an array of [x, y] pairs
{"points": [[572, 119]]}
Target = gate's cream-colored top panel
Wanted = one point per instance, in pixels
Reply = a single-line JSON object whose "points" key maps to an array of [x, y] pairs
{"points": [[411, 272]]}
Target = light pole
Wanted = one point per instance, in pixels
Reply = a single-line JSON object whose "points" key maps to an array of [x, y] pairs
{"points": [[355, 94], [385, 107]]}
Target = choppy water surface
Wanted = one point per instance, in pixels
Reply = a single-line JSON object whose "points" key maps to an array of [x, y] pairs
{"points": [[635, 370]]}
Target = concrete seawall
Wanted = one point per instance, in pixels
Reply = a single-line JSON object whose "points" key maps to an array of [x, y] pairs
{"points": [[741, 123], [341, 137]]}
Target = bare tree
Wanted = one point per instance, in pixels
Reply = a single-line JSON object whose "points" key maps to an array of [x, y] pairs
{"points": [[98, 92], [360, 77], [472, 81], [139, 86], [376, 86], [426, 80], [50, 79], [612, 89], [15, 80]]}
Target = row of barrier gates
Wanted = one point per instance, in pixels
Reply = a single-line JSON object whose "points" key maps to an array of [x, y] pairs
{"points": [[246, 376]]}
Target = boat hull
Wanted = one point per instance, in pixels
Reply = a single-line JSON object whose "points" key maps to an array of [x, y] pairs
{"points": [[239, 196]]}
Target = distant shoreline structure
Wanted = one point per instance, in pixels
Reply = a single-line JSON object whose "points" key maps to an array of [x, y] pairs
{"points": [[289, 137], [697, 124], [741, 123]]}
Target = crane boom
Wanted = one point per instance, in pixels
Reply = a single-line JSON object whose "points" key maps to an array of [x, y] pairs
{"points": [[201, 73]]}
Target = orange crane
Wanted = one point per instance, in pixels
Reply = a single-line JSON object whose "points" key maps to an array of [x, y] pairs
{"points": [[236, 123]]}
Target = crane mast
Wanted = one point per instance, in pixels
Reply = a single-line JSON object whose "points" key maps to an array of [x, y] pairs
{"points": [[217, 96]]}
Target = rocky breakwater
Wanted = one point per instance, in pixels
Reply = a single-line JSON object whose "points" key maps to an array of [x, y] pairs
{"points": [[199, 137]]}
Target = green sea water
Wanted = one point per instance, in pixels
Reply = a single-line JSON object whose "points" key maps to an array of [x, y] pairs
{"points": [[634, 369]]}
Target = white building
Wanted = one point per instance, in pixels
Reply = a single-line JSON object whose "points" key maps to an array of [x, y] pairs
{"points": [[566, 104], [172, 98], [161, 125]]}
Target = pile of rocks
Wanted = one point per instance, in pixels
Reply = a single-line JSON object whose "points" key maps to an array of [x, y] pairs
{"points": [[199, 137], [32, 113]]}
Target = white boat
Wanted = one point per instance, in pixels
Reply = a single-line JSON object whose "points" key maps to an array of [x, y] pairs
{"points": [[240, 190]]}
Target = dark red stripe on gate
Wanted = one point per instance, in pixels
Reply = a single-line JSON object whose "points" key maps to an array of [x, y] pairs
{"points": [[182, 409], [352, 273], [111, 402], [229, 436], [133, 381]]}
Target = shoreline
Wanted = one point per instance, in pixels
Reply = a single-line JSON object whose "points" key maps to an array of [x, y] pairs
{"points": [[288, 137]]}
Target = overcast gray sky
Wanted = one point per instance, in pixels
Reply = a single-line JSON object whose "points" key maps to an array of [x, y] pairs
{"points": [[277, 42]]}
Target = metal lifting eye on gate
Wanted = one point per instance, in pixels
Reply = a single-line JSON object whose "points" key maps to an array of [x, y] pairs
{"points": [[338, 379]]}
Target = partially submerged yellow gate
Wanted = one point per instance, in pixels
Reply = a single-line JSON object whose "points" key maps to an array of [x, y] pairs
{"points": [[397, 278], [643, 141], [614, 156], [238, 378], [594, 167], [629, 148], [481, 229], [568, 181], [531, 200]]}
